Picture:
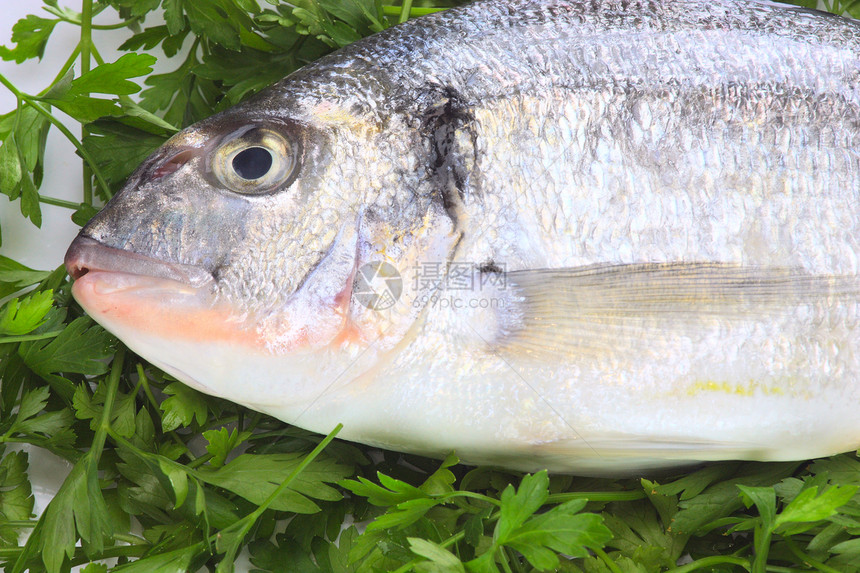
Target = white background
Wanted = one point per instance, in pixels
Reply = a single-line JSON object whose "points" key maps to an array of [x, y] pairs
{"points": [[44, 249]]}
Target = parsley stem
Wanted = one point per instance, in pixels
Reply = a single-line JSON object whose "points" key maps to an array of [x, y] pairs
{"points": [[29, 337], [130, 539], [299, 468], [59, 125], [97, 56], [117, 26], [20, 523], [807, 560], [199, 461], [235, 533], [86, 44], [761, 547], [144, 383], [473, 495], [596, 496], [110, 398], [709, 562], [182, 444], [405, 10], [214, 424], [505, 565], [610, 564], [59, 202], [453, 539]]}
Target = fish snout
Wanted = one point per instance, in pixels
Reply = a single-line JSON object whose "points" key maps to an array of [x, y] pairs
{"points": [[86, 254], [81, 256]]}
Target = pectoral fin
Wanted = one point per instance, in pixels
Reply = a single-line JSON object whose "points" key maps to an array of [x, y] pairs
{"points": [[616, 307]]}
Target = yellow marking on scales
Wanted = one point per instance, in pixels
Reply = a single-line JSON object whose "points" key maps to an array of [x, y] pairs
{"points": [[750, 388], [330, 113]]}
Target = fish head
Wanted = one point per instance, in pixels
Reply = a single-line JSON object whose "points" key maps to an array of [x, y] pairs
{"points": [[239, 255]]}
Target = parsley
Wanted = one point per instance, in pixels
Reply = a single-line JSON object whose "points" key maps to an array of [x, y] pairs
{"points": [[16, 499], [164, 478]]}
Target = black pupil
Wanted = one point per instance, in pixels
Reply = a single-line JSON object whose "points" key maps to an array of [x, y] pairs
{"points": [[252, 163]]}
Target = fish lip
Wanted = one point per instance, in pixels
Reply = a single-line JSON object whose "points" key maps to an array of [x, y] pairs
{"points": [[86, 255]]}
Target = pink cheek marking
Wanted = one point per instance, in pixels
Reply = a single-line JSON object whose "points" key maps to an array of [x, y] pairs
{"points": [[163, 313], [159, 308], [349, 334]]}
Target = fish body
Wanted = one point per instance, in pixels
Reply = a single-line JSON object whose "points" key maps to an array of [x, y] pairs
{"points": [[596, 237]]}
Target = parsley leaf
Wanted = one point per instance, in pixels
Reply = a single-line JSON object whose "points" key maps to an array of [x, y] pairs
{"points": [[255, 477], [20, 317], [176, 560], [539, 537], [31, 36], [443, 561], [222, 442], [132, 139], [78, 508], [16, 498], [14, 276], [81, 348], [113, 78], [123, 420], [183, 407], [810, 506]]}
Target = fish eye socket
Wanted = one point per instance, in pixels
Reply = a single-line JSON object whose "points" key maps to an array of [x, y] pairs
{"points": [[256, 162]]}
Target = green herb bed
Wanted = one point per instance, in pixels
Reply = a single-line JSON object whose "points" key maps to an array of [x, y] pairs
{"points": [[147, 494]]}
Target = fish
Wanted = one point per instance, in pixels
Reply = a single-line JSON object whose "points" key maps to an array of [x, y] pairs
{"points": [[596, 237]]}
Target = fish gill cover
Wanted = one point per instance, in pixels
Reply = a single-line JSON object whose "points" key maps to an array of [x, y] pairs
{"points": [[164, 478]]}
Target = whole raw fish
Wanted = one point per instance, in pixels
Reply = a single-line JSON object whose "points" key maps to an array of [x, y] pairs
{"points": [[594, 236]]}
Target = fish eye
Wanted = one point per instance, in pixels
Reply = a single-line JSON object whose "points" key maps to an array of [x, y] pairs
{"points": [[255, 162], [252, 163]]}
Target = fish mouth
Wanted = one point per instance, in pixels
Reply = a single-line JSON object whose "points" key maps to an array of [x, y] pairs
{"points": [[87, 255], [149, 303]]}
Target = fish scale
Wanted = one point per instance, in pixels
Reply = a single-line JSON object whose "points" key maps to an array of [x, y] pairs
{"points": [[607, 236], [713, 170]]}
